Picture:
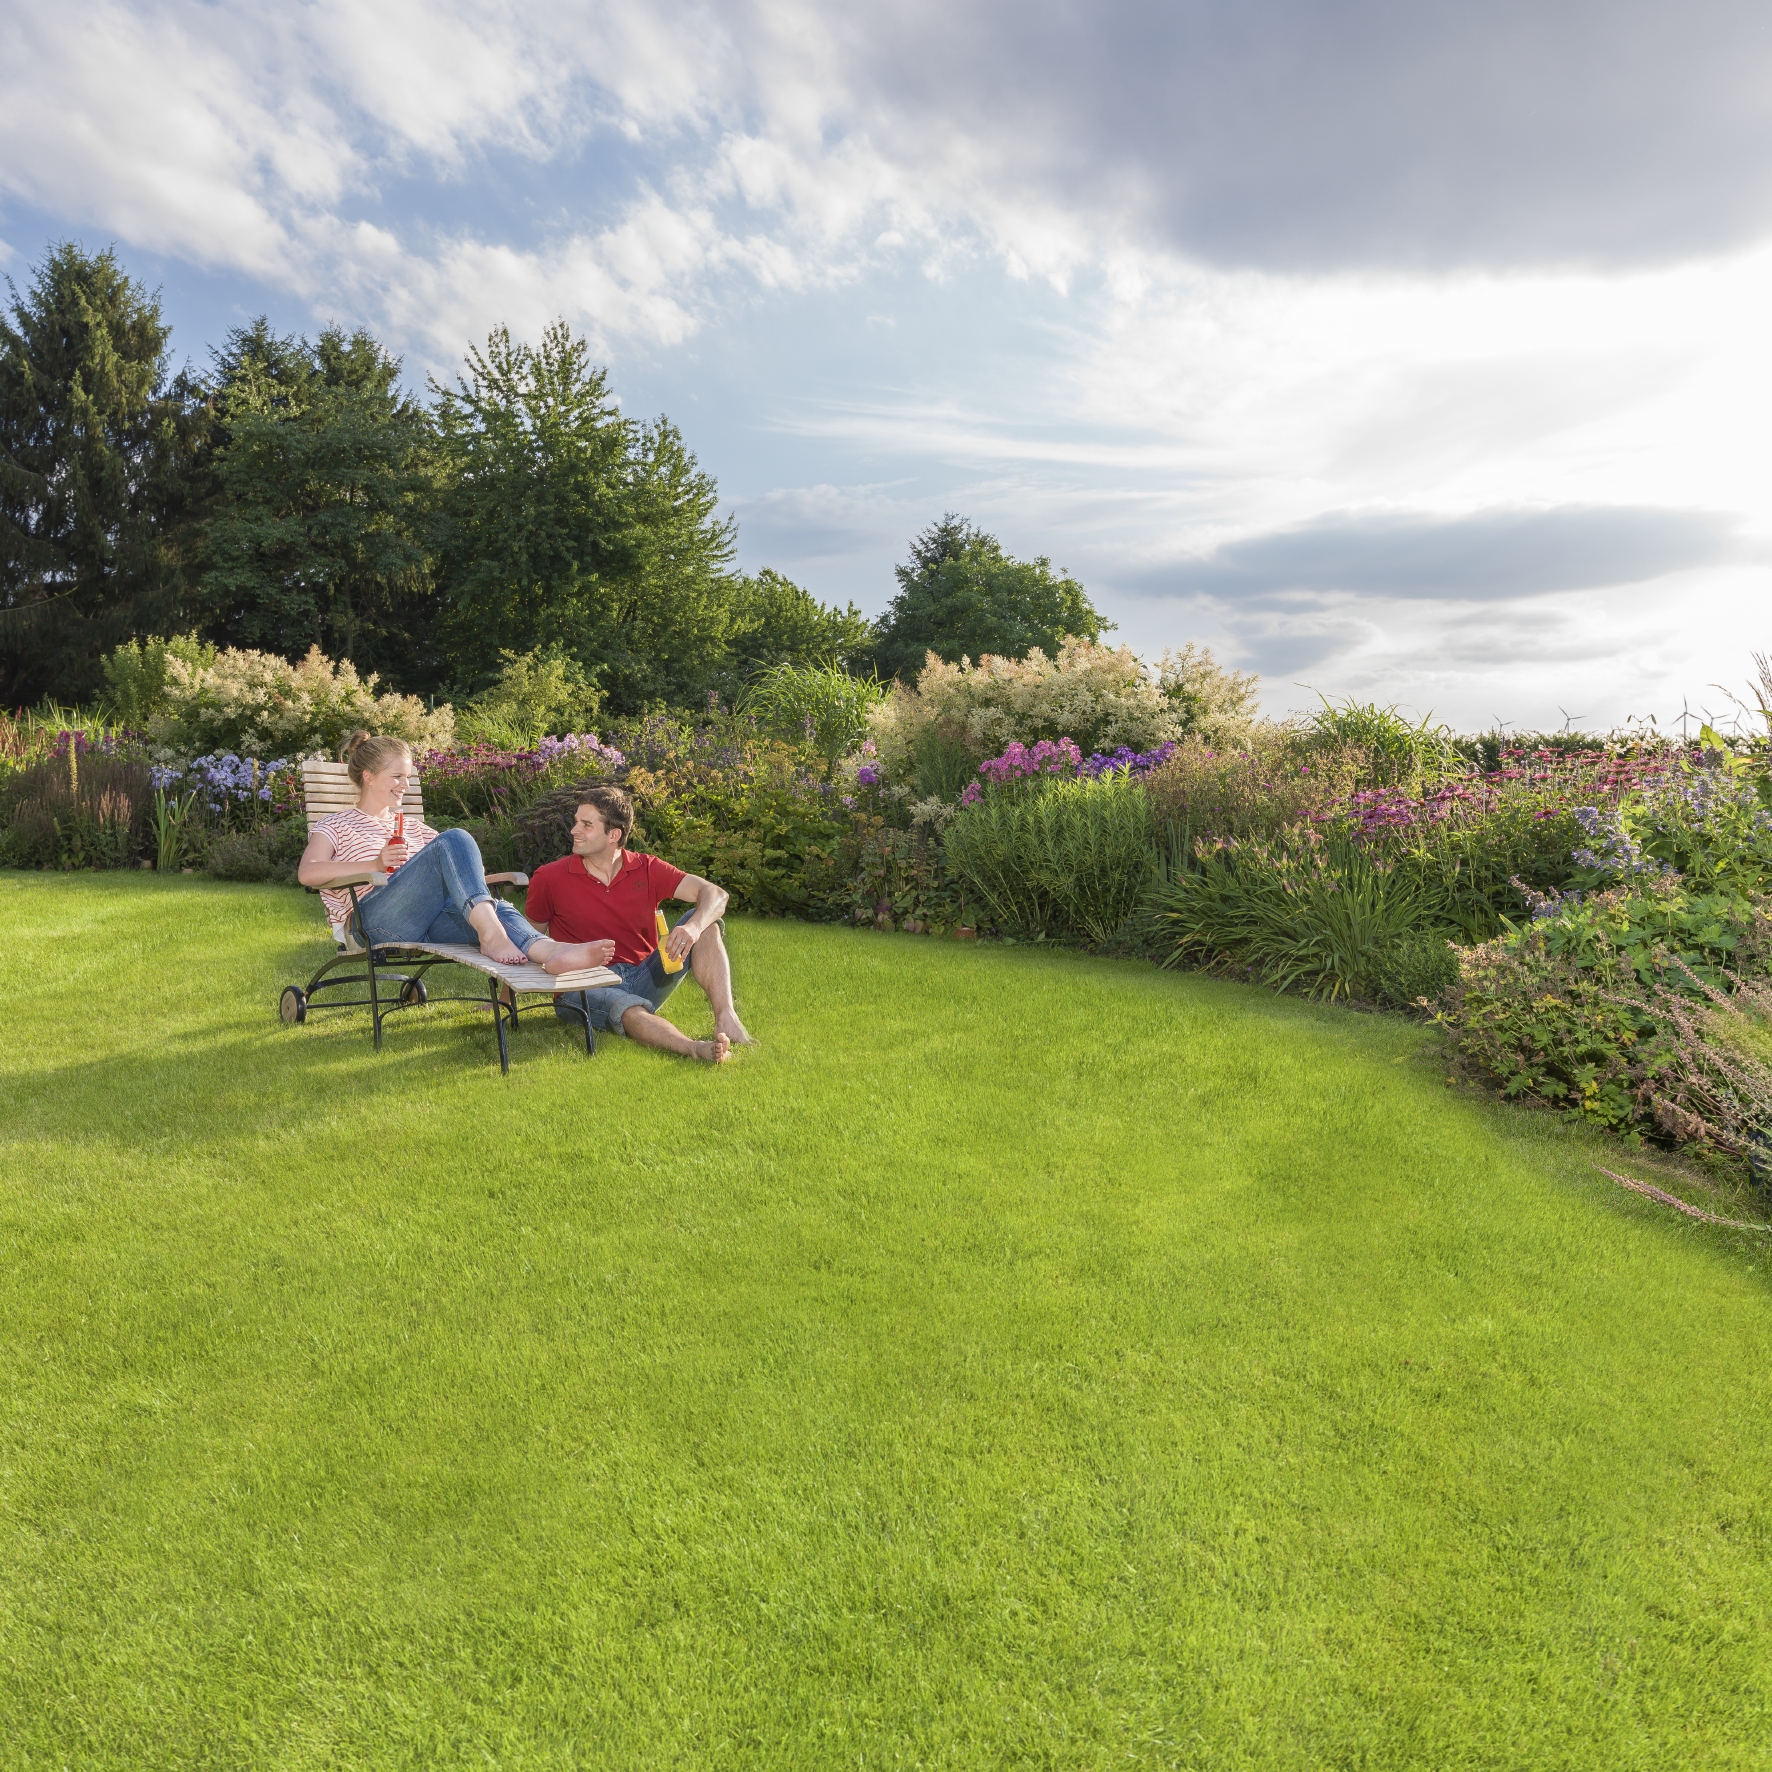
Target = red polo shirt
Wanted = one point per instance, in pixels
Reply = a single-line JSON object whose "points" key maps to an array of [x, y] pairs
{"points": [[577, 906]]}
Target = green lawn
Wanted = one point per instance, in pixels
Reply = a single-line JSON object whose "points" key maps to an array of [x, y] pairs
{"points": [[1018, 1360]]}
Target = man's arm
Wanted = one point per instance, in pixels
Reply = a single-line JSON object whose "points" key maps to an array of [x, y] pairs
{"points": [[710, 905]]}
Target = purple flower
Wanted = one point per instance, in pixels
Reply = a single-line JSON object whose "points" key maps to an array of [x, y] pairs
{"points": [[867, 776]]}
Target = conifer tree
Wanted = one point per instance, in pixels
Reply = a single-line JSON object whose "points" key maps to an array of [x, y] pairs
{"points": [[98, 456]]}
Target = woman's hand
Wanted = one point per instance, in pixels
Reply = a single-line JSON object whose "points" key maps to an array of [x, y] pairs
{"points": [[393, 855]]}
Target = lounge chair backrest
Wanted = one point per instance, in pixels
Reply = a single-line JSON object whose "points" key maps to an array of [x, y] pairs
{"points": [[327, 787]]}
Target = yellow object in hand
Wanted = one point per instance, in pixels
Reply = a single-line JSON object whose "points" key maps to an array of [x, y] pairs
{"points": [[664, 929]]}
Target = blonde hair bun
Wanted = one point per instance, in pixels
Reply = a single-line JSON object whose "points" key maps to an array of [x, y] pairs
{"points": [[364, 754]]}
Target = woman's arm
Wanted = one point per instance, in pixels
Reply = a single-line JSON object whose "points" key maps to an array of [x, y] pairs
{"points": [[319, 867]]}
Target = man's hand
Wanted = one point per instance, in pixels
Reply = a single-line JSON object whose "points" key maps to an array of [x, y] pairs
{"points": [[680, 940]]}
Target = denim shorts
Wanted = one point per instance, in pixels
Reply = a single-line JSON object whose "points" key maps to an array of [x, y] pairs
{"points": [[644, 985]]}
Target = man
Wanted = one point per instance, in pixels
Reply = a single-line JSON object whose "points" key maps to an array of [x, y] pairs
{"points": [[609, 898]]}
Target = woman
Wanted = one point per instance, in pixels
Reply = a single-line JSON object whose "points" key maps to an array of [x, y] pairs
{"points": [[439, 892]]}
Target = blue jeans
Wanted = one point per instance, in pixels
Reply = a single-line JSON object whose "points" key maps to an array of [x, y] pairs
{"points": [[429, 898], [644, 985]]}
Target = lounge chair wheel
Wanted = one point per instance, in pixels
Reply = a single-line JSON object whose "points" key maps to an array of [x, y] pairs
{"points": [[413, 994], [293, 1006]]}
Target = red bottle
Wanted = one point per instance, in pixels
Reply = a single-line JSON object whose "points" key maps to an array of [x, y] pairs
{"points": [[398, 840]]}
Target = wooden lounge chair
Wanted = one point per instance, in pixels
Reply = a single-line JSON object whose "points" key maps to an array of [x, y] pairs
{"points": [[395, 974]]}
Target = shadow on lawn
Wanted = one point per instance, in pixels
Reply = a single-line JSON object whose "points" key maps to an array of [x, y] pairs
{"points": [[229, 1056]]}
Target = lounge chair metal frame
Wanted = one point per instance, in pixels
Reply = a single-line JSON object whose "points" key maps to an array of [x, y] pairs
{"points": [[394, 974]]}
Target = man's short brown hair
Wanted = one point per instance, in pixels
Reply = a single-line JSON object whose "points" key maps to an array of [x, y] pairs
{"points": [[613, 806]]}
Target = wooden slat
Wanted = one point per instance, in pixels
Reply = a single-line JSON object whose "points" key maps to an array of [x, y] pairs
{"points": [[519, 978]]}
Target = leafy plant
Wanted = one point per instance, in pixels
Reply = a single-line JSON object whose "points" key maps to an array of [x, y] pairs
{"points": [[76, 811], [258, 705], [135, 675], [534, 693], [1573, 1009], [1397, 747], [1099, 696], [1305, 912], [171, 815], [819, 705], [1056, 856], [901, 880]]}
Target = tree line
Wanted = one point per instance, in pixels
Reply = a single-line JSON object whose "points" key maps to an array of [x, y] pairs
{"points": [[293, 495]]}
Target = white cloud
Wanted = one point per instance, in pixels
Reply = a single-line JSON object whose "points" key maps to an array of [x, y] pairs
{"points": [[682, 164]]}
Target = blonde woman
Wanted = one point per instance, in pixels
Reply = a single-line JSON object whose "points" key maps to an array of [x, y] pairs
{"points": [[439, 892]]}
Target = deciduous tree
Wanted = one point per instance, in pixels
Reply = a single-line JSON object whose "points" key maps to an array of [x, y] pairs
{"points": [[323, 470], [561, 522], [960, 595]]}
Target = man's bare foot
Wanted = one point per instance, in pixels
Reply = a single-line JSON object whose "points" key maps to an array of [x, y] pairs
{"points": [[734, 1029], [714, 1051]]}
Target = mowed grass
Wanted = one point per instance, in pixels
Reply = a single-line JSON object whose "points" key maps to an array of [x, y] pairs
{"points": [[1018, 1360]]}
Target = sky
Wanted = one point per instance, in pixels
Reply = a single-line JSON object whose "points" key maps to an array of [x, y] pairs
{"points": [[1395, 349]]}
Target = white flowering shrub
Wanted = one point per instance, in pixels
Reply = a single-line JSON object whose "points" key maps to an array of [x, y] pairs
{"points": [[255, 704], [1102, 697]]}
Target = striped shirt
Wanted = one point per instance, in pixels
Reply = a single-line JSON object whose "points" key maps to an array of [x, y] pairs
{"points": [[355, 836]]}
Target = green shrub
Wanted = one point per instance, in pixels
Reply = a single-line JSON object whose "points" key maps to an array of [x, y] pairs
{"points": [[270, 853], [1100, 696], [1541, 1028], [255, 704], [1415, 971], [819, 705], [900, 880], [535, 693], [136, 675], [1398, 748], [1305, 912], [88, 811], [30, 837], [1056, 856], [239, 855], [1272, 781], [1464, 869], [1572, 1009]]}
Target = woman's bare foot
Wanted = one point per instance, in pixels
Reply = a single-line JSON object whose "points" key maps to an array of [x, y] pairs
{"points": [[578, 956], [495, 944], [714, 1051], [733, 1029]]}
